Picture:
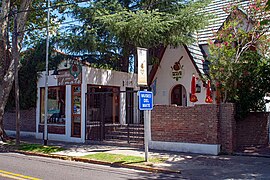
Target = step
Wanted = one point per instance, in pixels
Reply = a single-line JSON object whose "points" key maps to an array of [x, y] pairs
{"points": [[140, 134], [121, 128], [121, 137], [125, 130]]}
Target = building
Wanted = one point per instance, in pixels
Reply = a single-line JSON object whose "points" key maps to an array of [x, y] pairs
{"points": [[80, 96], [171, 76], [85, 103]]}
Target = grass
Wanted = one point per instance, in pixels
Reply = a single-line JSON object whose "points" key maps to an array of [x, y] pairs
{"points": [[39, 148], [11, 145], [123, 159]]}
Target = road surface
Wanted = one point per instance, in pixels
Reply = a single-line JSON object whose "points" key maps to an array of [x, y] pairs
{"points": [[18, 166]]}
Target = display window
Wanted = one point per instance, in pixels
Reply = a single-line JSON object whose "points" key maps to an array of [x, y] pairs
{"points": [[76, 111], [56, 105]]}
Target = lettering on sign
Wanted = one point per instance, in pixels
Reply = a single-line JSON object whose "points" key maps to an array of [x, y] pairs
{"points": [[65, 78], [146, 95], [145, 100]]}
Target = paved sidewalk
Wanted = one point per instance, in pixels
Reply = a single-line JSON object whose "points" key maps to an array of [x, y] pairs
{"points": [[192, 166]]}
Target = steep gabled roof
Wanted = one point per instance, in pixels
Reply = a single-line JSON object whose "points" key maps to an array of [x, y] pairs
{"points": [[216, 9], [196, 56]]}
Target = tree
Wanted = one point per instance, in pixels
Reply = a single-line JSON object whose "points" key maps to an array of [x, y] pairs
{"points": [[112, 29], [7, 54], [32, 63], [18, 17], [239, 62]]}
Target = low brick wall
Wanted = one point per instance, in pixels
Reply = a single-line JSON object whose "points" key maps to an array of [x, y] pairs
{"points": [[198, 124], [253, 131], [202, 124], [28, 120], [209, 124]]}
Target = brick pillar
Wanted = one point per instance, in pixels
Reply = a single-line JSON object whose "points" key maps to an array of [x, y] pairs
{"points": [[227, 127]]}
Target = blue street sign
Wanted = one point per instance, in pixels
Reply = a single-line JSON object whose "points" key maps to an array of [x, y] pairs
{"points": [[145, 100]]}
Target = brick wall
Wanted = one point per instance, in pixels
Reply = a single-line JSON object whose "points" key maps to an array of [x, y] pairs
{"points": [[253, 130], [53, 129], [198, 124], [28, 120], [203, 124], [209, 124]]}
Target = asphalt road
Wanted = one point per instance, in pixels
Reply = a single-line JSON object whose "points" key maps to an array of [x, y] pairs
{"points": [[17, 166]]}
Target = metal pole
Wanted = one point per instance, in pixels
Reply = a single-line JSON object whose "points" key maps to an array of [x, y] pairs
{"points": [[15, 54], [46, 76], [146, 134]]}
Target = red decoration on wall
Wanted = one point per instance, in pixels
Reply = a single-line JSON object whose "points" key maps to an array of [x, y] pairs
{"points": [[208, 98], [193, 97]]}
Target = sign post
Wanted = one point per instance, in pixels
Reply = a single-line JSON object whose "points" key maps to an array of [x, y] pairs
{"points": [[146, 104]]}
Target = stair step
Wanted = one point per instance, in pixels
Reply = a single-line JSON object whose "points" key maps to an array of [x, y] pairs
{"points": [[125, 133], [120, 137]]}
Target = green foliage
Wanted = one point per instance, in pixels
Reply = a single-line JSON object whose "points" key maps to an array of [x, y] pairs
{"points": [[268, 5], [32, 62], [112, 29], [252, 83], [239, 63]]}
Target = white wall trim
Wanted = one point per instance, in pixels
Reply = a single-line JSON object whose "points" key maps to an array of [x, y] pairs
{"points": [[212, 149], [58, 137], [22, 133], [68, 111]]}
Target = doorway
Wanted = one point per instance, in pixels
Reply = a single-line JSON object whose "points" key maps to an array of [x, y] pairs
{"points": [[179, 95]]}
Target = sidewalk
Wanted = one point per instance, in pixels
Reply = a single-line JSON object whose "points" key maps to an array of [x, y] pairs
{"points": [[191, 166], [79, 150]]}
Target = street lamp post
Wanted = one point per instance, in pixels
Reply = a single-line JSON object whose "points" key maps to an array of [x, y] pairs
{"points": [[45, 131]]}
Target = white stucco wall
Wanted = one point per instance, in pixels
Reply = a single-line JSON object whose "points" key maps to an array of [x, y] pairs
{"points": [[165, 82], [52, 81], [91, 76], [103, 77]]}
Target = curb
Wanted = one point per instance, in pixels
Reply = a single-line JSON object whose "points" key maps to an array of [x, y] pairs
{"points": [[252, 155], [78, 159]]}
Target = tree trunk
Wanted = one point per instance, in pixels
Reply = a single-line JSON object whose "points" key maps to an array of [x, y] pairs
{"points": [[125, 63], [125, 58], [6, 62], [5, 88], [3, 135]]}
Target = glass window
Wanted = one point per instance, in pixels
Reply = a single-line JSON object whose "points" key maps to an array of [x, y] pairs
{"points": [[76, 111], [56, 105]]}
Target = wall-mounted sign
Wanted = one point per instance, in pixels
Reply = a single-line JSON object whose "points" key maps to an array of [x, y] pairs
{"points": [[65, 78], [142, 66], [75, 69], [177, 70]]}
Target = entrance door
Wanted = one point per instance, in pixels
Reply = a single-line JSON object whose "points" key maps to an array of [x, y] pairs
{"points": [[102, 111], [178, 96]]}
